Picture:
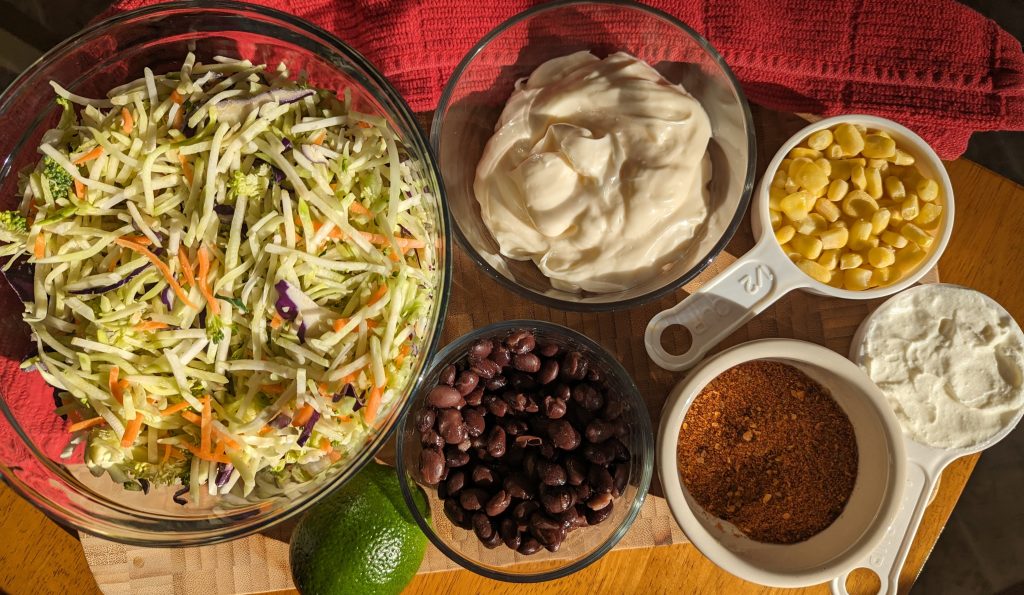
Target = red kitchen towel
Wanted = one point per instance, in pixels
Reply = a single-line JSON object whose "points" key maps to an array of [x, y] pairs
{"points": [[934, 65]]}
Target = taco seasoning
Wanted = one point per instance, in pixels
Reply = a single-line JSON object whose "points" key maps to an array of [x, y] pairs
{"points": [[767, 449]]}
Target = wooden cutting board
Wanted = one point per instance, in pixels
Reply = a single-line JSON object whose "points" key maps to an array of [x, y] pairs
{"points": [[259, 563]]}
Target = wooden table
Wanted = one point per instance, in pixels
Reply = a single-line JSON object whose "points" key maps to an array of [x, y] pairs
{"points": [[38, 556]]}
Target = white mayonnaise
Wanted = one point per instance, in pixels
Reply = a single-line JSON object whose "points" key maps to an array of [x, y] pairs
{"points": [[597, 172], [950, 362]]}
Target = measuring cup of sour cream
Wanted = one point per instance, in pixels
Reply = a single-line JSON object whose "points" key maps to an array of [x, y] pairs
{"points": [[950, 329], [765, 274]]}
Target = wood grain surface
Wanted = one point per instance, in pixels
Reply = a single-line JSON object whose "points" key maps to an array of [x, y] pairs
{"points": [[38, 556]]}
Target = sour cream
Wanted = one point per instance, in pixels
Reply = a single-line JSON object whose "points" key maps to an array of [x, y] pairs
{"points": [[597, 172]]}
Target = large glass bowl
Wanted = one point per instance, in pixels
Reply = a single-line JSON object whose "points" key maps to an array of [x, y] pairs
{"points": [[106, 55], [583, 546], [483, 81]]}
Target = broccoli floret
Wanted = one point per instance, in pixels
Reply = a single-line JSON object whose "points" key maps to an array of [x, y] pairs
{"points": [[250, 185], [214, 329], [13, 227], [59, 179], [68, 118]]}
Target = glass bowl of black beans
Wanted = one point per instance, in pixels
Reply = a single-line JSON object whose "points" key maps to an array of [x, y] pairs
{"points": [[532, 444]]}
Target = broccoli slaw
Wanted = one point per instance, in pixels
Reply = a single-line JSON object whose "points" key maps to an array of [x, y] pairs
{"points": [[233, 276]]}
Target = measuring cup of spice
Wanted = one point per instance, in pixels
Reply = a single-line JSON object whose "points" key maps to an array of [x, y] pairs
{"points": [[950, 361], [866, 230], [791, 411]]}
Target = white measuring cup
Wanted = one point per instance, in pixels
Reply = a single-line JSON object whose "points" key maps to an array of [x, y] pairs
{"points": [[765, 274], [923, 469]]}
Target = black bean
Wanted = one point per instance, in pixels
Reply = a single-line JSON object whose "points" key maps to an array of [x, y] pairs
{"points": [[601, 454], [600, 430], [521, 512], [454, 457], [574, 366], [447, 375], [563, 435], [551, 474], [498, 503], [587, 396], [478, 443], [456, 514], [558, 500], [621, 451], [562, 391], [431, 439], [497, 383], [524, 440], [521, 341], [600, 479], [517, 485], [485, 368], [575, 471], [424, 419], [526, 362], [513, 455], [442, 490], [497, 406], [501, 356], [529, 546], [431, 465], [595, 517], [571, 518], [548, 371], [481, 348], [599, 501], [515, 427], [476, 397], [466, 382], [531, 405], [581, 516], [547, 349], [521, 381], [482, 526], [456, 481], [594, 375], [465, 445], [484, 476], [509, 532], [516, 401], [472, 498], [493, 542], [584, 492], [496, 442], [547, 530], [443, 397], [474, 420], [530, 465], [554, 407], [620, 475], [613, 408], [451, 427]]}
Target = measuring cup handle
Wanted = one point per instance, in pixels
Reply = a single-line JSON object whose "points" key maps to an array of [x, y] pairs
{"points": [[888, 558], [724, 304]]}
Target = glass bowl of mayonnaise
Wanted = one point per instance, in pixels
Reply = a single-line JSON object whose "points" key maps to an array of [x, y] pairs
{"points": [[596, 155]]}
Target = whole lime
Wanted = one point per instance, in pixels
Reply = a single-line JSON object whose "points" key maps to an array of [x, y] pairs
{"points": [[360, 540]]}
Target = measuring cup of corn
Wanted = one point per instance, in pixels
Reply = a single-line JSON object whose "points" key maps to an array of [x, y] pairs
{"points": [[855, 206]]}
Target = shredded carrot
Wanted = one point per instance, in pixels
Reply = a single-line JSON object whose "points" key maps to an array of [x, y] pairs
{"points": [[372, 405], [227, 440], [363, 124], [167, 454], [176, 97], [394, 256], [127, 121], [325, 444], [150, 325], [334, 456], [79, 190], [276, 321], [339, 324], [131, 431], [161, 266], [402, 353], [114, 384], [359, 209], [205, 455], [219, 450], [273, 389], [303, 415], [114, 262], [371, 324], [403, 243], [93, 154], [204, 288], [186, 265], [186, 168], [39, 248], [192, 417], [206, 428], [174, 409], [348, 379], [87, 423], [319, 139], [265, 430], [140, 240], [322, 389], [345, 418], [380, 293]]}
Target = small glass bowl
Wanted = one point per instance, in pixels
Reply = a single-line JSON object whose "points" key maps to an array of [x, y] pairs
{"points": [[478, 89], [581, 547], [90, 63]]}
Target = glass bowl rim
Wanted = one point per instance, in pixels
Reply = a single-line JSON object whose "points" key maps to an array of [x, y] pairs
{"points": [[646, 470], [745, 194], [108, 528]]}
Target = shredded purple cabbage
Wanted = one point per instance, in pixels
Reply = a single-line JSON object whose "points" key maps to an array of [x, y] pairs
{"points": [[358, 404], [308, 428], [288, 309], [113, 286], [167, 297], [280, 421], [177, 497], [224, 211], [144, 484], [224, 473], [286, 143], [347, 391], [302, 333]]}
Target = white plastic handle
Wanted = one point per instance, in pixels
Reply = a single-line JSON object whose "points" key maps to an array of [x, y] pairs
{"points": [[725, 303], [888, 558]]}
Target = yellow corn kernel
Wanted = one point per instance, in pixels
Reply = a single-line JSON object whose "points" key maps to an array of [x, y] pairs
{"points": [[820, 140], [840, 223], [879, 220], [901, 157], [917, 235], [829, 259], [814, 270], [861, 128], [883, 276], [834, 238], [784, 234], [860, 232], [794, 164], [826, 209], [907, 258], [877, 146], [804, 152], [813, 225], [909, 208], [883, 133], [849, 138], [894, 188], [797, 205], [792, 255], [858, 177], [881, 256], [779, 179], [858, 204], [856, 279], [837, 280], [850, 260], [775, 217], [895, 218], [834, 151], [896, 170], [927, 189], [893, 239], [929, 214], [775, 196], [784, 164], [879, 164], [874, 182], [806, 246], [808, 175], [837, 190], [824, 164], [791, 185]]}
